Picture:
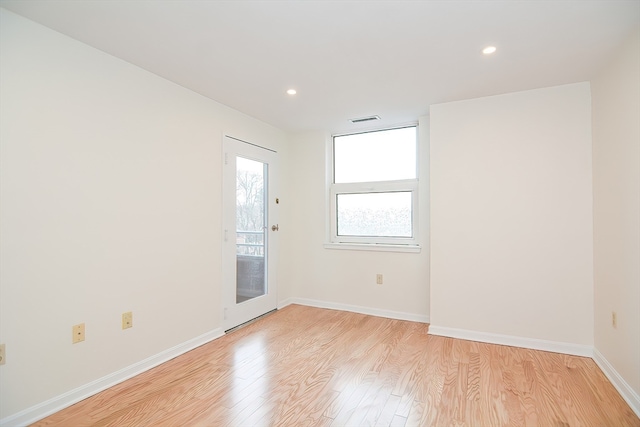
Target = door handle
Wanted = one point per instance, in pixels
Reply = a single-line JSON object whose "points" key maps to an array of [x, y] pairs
{"points": [[275, 227]]}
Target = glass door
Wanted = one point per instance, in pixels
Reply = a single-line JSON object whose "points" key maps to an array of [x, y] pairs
{"points": [[250, 232]]}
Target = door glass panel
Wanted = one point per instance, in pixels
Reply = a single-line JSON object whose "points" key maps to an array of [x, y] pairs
{"points": [[251, 255]]}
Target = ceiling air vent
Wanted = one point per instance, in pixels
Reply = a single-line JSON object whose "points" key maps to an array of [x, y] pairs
{"points": [[365, 119]]}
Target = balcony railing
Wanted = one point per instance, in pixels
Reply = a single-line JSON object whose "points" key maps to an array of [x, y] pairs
{"points": [[250, 243], [250, 265]]}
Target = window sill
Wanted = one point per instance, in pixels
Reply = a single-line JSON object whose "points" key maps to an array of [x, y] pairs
{"points": [[374, 247]]}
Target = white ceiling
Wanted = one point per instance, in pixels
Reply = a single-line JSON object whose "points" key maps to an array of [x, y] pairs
{"points": [[347, 59]]}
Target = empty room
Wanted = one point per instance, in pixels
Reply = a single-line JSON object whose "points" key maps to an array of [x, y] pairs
{"points": [[319, 213]]}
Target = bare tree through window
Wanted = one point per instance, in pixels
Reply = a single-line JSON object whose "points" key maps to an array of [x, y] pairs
{"points": [[250, 228]]}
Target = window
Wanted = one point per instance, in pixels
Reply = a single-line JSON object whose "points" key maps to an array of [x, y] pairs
{"points": [[374, 191]]}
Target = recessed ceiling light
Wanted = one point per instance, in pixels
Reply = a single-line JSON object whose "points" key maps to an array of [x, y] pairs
{"points": [[489, 50], [292, 92]]}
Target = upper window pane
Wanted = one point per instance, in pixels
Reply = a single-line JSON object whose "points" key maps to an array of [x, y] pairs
{"points": [[387, 155]]}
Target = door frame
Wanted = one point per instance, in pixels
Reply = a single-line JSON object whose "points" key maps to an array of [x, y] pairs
{"points": [[233, 313]]}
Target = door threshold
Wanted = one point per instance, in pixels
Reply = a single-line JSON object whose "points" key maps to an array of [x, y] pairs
{"points": [[248, 322]]}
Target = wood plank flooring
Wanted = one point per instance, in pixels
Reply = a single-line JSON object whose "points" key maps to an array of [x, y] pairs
{"points": [[304, 366]]}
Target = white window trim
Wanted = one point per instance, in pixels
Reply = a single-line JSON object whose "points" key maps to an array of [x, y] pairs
{"points": [[387, 244], [374, 247], [375, 187]]}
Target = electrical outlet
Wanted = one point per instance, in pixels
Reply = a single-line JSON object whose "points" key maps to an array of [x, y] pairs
{"points": [[379, 279], [127, 320], [3, 354], [78, 333], [614, 319]]}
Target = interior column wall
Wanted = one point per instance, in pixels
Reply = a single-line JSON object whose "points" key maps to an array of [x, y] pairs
{"points": [[616, 207], [511, 216]]}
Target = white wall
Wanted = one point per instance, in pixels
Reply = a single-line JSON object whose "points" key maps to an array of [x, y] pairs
{"points": [[511, 216], [616, 207], [110, 191], [347, 278]]}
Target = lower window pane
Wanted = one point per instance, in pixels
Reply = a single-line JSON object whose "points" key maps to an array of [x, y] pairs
{"points": [[374, 214]]}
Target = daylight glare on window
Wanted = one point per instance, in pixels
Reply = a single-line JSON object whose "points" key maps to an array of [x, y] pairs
{"points": [[250, 213], [375, 156], [375, 214]]}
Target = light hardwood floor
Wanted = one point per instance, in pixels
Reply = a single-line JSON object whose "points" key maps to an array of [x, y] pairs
{"points": [[304, 366]]}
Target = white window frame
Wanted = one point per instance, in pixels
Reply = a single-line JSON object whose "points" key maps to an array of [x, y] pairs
{"points": [[400, 244]]}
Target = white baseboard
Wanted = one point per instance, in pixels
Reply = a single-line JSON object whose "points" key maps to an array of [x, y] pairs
{"points": [[399, 315], [625, 390], [285, 302], [44, 409], [513, 341]]}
